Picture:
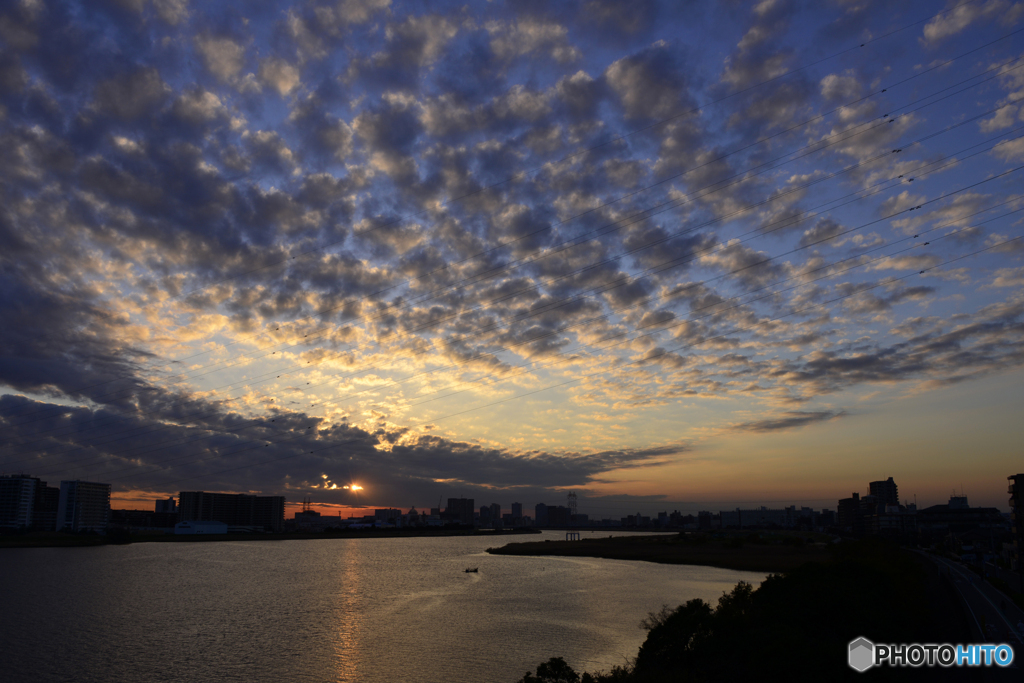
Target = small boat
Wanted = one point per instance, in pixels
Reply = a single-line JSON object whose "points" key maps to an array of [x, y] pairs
{"points": [[474, 570]]}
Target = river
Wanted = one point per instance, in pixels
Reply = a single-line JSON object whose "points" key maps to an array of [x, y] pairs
{"points": [[374, 610]]}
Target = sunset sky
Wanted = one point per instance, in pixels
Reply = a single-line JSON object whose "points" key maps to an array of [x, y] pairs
{"points": [[668, 255]]}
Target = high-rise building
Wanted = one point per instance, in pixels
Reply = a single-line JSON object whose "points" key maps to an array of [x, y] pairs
{"points": [[849, 511], [495, 512], [559, 515], [517, 511], [167, 506], [234, 509], [460, 510], [17, 501], [44, 510], [885, 491], [27, 503], [540, 514], [83, 506]]}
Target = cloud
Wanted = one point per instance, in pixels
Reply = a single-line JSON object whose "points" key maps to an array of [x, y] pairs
{"points": [[789, 420], [172, 11], [223, 56], [131, 95], [198, 107], [280, 75], [959, 18], [824, 229], [529, 36], [649, 83]]}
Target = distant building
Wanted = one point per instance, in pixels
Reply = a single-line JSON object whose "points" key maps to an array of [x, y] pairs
{"points": [[167, 506], [849, 511], [17, 498], [559, 515], [83, 506], [540, 514], [517, 513], [957, 517], [885, 491], [460, 510], [1016, 491], [387, 516], [309, 520], [200, 526], [142, 519], [760, 517], [495, 513], [234, 509], [485, 515], [44, 511], [704, 518], [27, 503]]}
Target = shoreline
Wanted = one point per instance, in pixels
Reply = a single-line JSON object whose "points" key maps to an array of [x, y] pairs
{"points": [[58, 540], [767, 552]]}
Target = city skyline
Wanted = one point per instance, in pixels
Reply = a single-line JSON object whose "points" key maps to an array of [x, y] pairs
{"points": [[655, 255]]}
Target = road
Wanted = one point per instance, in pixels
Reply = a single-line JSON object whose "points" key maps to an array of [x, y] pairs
{"points": [[993, 617]]}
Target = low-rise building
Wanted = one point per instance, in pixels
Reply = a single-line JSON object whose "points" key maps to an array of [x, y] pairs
{"points": [[264, 513], [200, 526]]}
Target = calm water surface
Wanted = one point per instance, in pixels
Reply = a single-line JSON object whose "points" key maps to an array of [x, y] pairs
{"points": [[360, 610]]}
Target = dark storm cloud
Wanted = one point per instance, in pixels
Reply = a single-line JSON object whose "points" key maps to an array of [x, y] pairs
{"points": [[53, 344], [790, 420], [994, 341], [228, 451]]}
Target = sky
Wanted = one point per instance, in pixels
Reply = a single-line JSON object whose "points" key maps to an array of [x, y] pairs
{"points": [[667, 255]]}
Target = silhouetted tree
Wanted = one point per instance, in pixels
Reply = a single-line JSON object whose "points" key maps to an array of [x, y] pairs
{"points": [[555, 670]]}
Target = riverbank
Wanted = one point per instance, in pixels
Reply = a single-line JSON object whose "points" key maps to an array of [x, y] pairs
{"points": [[745, 551], [798, 625], [59, 540]]}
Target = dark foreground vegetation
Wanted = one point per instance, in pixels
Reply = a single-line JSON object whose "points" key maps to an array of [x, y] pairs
{"points": [[796, 626]]}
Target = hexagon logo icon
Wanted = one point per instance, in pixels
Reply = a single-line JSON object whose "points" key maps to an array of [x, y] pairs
{"points": [[862, 654]]}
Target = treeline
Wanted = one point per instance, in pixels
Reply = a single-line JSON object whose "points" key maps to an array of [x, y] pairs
{"points": [[795, 626]]}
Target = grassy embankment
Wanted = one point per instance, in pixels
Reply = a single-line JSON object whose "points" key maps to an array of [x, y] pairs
{"points": [[744, 551]]}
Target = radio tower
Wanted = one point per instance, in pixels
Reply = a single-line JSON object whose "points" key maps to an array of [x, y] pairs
{"points": [[572, 507]]}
